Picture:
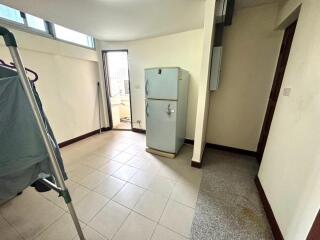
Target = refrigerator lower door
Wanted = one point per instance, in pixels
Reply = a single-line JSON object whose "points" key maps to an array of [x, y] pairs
{"points": [[162, 83], [161, 125]]}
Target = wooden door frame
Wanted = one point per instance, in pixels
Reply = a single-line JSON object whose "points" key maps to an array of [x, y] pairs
{"points": [[276, 87], [314, 232], [107, 87]]}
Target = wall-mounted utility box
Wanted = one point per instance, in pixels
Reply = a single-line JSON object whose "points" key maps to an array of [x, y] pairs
{"points": [[215, 67], [224, 11], [220, 11]]}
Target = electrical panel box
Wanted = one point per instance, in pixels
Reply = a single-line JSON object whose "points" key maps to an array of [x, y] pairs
{"points": [[224, 11], [215, 68], [220, 11]]}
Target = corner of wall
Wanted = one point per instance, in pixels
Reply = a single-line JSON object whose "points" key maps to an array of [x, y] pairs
{"points": [[203, 96]]}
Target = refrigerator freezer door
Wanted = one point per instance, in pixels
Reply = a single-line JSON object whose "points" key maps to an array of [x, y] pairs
{"points": [[161, 125], [162, 83]]}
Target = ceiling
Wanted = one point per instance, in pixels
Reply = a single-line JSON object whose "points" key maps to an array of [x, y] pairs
{"points": [[118, 20], [123, 20]]}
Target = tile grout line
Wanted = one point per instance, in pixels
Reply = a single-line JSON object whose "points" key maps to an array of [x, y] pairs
{"points": [[57, 205], [122, 223], [145, 190], [110, 199], [174, 231], [12, 226], [133, 211], [98, 211], [128, 181], [158, 222], [51, 224]]}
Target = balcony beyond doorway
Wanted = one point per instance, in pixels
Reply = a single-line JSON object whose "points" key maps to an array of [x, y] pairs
{"points": [[121, 115], [118, 88]]}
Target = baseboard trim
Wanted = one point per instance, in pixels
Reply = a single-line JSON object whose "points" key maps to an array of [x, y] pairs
{"points": [[189, 141], [231, 149], [196, 164], [84, 136], [139, 130], [267, 208]]}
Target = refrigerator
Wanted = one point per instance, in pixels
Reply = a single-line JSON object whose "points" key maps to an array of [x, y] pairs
{"points": [[166, 101]]}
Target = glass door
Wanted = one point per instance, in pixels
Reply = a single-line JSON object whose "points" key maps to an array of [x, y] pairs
{"points": [[118, 84]]}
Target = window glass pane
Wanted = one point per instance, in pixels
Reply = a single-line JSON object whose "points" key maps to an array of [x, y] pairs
{"points": [[73, 36], [35, 22], [10, 14], [118, 73]]}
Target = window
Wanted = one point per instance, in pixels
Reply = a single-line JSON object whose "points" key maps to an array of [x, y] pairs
{"points": [[27, 21], [36, 23], [10, 14], [117, 62], [73, 36]]}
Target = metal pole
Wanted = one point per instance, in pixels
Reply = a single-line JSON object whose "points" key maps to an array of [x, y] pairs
{"points": [[99, 108], [32, 101]]}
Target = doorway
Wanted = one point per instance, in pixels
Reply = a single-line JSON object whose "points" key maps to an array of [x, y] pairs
{"points": [[116, 70], [276, 86]]}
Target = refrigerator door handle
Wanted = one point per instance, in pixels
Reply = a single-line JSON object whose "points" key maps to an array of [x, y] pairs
{"points": [[169, 110], [146, 87], [147, 111]]}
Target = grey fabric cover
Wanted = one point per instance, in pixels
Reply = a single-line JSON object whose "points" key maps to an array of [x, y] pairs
{"points": [[23, 156]]}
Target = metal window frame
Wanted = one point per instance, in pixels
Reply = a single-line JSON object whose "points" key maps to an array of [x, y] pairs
{"points": [[24, 28], [10, 20], [24, 16], [48, 33], [74, 43]]}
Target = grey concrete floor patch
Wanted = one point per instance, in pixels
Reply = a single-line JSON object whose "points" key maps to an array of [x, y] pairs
{"points": [[228, 205]]}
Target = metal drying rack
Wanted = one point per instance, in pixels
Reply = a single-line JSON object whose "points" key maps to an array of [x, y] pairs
{"points": [[60, 187]]}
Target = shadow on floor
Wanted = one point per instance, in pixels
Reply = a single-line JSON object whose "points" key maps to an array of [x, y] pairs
{"points": [[228, 205]]}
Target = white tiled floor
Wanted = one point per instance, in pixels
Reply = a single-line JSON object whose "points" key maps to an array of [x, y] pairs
{"points": [[119, 192]]}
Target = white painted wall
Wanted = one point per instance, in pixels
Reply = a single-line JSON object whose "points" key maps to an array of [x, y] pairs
{"points": [[67, 84], [203, 92], [181, 49], [290, 169], [250, 53]]}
